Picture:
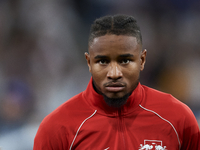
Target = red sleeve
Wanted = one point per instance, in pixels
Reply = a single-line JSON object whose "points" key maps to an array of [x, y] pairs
{"points": [[51, 136], [191, 134]]}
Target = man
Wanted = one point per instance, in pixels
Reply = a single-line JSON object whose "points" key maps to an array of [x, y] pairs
{"points": [[116, 112]]}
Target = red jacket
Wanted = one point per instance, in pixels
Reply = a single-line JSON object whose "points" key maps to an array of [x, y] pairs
{"points": [[150, 120]]}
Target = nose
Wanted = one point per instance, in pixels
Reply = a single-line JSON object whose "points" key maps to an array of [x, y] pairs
{"points": [[114, 72]]}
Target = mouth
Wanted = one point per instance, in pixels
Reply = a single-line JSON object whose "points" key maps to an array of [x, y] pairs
{"points": [[114, 87]]}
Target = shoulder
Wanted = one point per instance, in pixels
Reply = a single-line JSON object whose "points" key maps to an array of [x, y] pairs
{"points": [[60, 125], [153, 93], [73, 109], [68, 115], [174, 111], [156, 97], [167, 105]]}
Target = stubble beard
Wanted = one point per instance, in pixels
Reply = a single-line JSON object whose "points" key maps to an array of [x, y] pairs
{"points": [[116, 102], [113, 102]]}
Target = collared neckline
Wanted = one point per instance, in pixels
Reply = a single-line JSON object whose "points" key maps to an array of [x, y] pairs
{"points": [[96, 101]]}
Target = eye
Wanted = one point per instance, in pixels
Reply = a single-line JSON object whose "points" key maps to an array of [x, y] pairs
{"points": [[103, 61], [125, 61]]}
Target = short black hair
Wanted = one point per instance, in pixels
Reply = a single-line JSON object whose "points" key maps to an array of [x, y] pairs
{"points": [[117, 24]]}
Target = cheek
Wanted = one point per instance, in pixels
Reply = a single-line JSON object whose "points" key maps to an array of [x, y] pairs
{"points": [[132, 70], [98, 73], [131, 74]]}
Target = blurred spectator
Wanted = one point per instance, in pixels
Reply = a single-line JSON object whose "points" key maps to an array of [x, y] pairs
{"points": [[16, 106]]}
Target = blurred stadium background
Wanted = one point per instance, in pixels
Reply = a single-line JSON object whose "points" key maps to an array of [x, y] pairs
{"points": [[42, 63]]}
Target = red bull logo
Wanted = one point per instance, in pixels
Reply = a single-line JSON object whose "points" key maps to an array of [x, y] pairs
{"points": [[152, 145]]}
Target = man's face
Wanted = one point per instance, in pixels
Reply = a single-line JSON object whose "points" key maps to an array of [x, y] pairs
{"points": [[115, 63]]}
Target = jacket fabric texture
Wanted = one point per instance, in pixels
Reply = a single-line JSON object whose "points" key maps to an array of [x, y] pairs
{"points": [[150, 120]]}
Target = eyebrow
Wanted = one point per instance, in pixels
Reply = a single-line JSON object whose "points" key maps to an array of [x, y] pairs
{"points": [[126, 55], [104, 57], [100, 57]]}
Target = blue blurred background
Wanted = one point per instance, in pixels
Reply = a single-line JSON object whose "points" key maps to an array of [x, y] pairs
{"points": [[42, 63]]}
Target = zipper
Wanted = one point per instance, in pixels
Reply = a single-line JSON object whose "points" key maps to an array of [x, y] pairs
{"points": [[121, 128]]}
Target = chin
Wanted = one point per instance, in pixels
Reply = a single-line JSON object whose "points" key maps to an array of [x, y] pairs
{"points": [[116, 101], [115, 95]]}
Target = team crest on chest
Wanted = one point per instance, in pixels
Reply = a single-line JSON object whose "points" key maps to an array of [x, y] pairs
{"points": [[152, 145]]}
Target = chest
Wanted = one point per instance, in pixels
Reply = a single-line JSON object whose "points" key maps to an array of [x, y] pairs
{"points": [[140, 132]]}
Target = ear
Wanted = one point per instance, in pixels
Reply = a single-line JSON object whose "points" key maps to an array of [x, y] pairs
{"points": [[87, 57], [143, 59]]}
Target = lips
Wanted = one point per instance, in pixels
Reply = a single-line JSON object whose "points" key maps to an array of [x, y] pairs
{"points": [[114, 86]]}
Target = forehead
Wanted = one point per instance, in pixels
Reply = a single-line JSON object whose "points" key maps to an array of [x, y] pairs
{"points": [[114, 44]]}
